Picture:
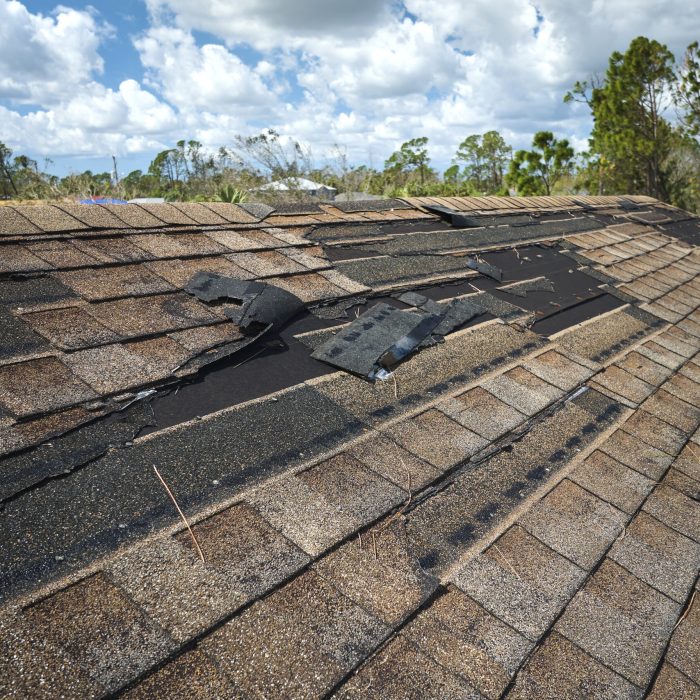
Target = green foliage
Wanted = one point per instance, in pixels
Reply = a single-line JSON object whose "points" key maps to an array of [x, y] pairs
{"points": [[485, 157], [231, 195], [538, 171], [630, 135], [411, 158], [687, 94]]}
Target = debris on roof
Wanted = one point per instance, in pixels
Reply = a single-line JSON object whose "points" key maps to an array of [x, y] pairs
{"points": [[514, 514]]}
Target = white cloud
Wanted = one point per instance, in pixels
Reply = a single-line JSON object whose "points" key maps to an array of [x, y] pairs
{"points": [[268, 24], [193, 77], [42, 59], [366, 74]]}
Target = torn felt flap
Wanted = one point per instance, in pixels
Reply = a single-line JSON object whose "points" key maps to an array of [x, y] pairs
{"points": [[381, 331], [521, 289], [257, 304], [485, 269]]}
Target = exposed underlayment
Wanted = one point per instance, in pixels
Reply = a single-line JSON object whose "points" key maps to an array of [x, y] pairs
{"points": [[499, 499]]}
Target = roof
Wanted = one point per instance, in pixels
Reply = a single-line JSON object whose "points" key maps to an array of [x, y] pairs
{"points": [[512, 512], [296, 183]]}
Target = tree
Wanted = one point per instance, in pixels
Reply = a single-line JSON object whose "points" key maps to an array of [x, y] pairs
{"points": [[688, 89], [630, 133], [280, 159], [537, 171], [486, 157], [411, 157], [8, 183]]}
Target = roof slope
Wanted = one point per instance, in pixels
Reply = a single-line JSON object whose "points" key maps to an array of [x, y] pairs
{"points": [[513, 513]]}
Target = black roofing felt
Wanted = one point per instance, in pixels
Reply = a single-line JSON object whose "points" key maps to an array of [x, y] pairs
{"points": [[688, 231]]}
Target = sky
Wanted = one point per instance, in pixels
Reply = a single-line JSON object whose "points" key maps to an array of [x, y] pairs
{"points": [[80, 82]]}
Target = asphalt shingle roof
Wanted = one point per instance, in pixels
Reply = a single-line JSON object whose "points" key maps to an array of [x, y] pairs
{"points": [[513, 513]]}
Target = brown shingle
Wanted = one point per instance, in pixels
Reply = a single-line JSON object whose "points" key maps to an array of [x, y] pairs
{"points": [[200, 213], [111, 249], [671, 684], [400, 670], [483, 413], [380, 571], [244, 548], [523, 390], [659, 354], [684, 649], [612, 481], [621, 621], [298, 642], [163, 245], [100, 283], [464, 638], [152, 314], [18, 258], [557, 369], [682, 415], [575, 523], [173, 587], [521, 581], [113, 368], [180, 272], [71, 328], [390, 460], [684, 388], [61, 254], [676, 510], [40, 386], [327, 502], [266, 263], [309, 287], [559, 670], [437, 439], [659, 556], [238, 241], [104, 631], [655, 432], [638, 455], [623, 384], [644, 368], [231, 212], [168, 214], [31, 666], [94, 215], [192, 676], [49, 218], [133, 215], [13, 223]]}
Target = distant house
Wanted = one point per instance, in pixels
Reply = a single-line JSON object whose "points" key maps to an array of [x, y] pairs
{"points": [[300, 184]]}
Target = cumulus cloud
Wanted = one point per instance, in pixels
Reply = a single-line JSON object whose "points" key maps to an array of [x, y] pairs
{"points": [[367, 74], [43, 58], [190, 76]]}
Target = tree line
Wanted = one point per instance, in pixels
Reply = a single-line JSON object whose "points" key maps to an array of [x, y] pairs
{"points": [[645, 110]]}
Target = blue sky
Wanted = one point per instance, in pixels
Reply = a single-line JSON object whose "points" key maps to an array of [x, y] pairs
{"points": [[80, 82]]}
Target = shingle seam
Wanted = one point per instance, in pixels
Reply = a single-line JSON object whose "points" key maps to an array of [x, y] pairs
{"points": [[662, 660], [593, 570], [685, 676]]}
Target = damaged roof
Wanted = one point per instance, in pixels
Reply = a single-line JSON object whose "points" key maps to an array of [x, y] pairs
{"points": [[425, 448]]}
